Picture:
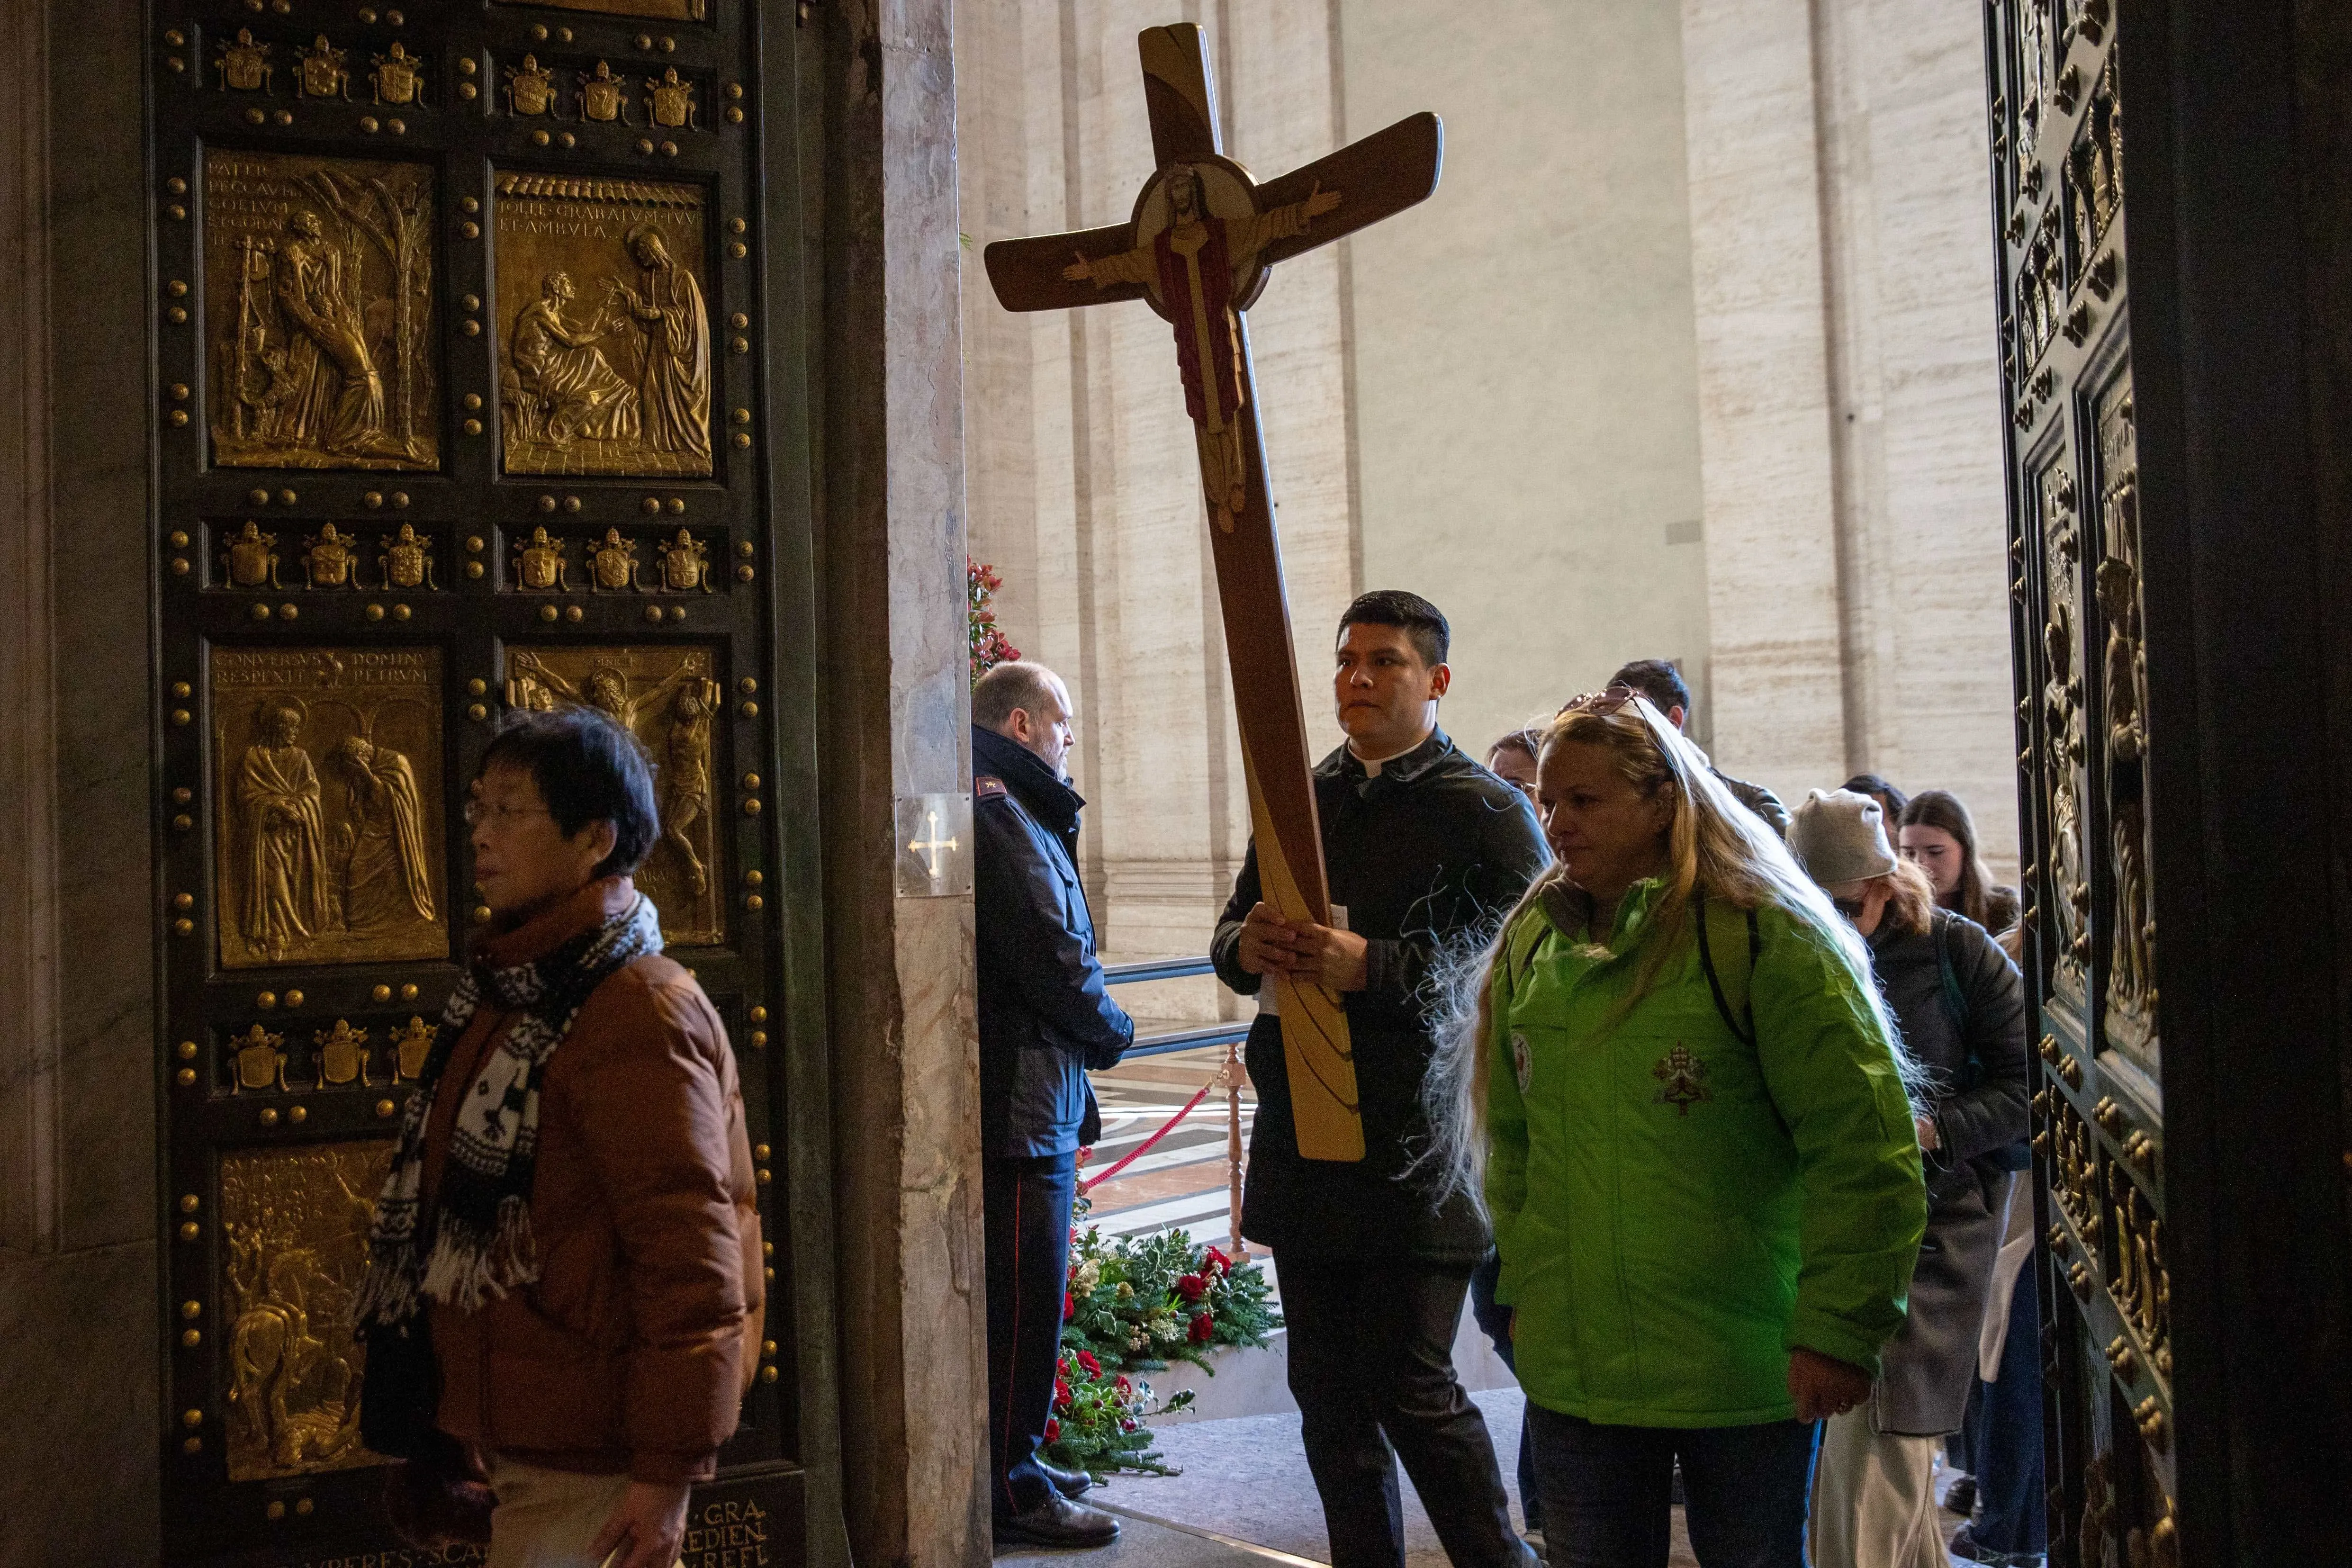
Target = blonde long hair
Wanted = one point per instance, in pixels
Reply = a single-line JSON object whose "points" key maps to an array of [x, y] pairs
{"points": [[1715, 849]]}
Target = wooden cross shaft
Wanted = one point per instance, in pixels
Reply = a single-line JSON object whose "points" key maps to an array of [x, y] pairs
{"points": [[1203, 241]]}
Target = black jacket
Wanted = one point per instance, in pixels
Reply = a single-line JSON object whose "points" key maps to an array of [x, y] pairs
{"points": [[1757, 799], [1968, 1032], [1045, 1013], [1423, 857]]}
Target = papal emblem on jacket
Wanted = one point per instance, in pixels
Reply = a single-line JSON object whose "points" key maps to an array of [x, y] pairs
{"points": [[1680, 1074]]}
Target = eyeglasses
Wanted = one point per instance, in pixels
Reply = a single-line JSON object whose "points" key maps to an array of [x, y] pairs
{"points": [[1600, 704], [477, 812]]}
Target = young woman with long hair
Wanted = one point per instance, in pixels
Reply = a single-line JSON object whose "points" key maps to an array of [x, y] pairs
{"points": [[1939, 836], [1961, 1007], [1678, 1094]]}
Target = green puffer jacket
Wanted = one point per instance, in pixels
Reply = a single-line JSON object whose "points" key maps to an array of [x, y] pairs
{"points": [[1677, 1209]]}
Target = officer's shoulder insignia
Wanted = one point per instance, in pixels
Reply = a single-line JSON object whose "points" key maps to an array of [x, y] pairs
{"points": [[988, 786]]}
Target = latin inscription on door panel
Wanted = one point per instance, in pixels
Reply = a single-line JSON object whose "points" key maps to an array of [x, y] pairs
{"points": [[294, 1225], [671, 10], [669, 698], [605, 333], [318, 311], [329, 840]]}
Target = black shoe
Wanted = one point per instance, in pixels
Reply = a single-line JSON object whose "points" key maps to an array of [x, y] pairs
{"points": [[1960, 1497], [1069, 1483], [1964, 1548], [1059, 1522]]}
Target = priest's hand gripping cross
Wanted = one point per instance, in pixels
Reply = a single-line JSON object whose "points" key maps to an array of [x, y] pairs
{"points": [[1204, 240]]}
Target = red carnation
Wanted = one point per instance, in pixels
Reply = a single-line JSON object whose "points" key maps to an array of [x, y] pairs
{"points": [[1220, 1262], [1052, 1430], [1069, 1306], [1086, 1360], [1060, 1395], [1203, 1329], [1125, 1389], [1191, 1287]]}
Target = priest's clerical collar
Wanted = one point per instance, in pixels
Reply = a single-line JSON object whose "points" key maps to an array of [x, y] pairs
{"points": [[1406, 764]]}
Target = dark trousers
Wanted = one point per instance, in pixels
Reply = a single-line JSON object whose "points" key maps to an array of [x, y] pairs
{"points": [[2003, 1434], [1495, 1322], [1607, 1492], [1371, 1365], [1027, 1204]]}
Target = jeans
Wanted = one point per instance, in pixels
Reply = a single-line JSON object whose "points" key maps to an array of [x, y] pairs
{"points": [[1371, 1365], [1027, 1204], [2004, 1437], [1606, 1491], [1495, 1322]]}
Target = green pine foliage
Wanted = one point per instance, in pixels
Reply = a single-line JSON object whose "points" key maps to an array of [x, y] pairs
{"points": [[1132, 1306]]}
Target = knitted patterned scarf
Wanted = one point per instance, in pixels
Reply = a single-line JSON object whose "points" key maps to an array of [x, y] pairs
{"points": [[477, 1243]]}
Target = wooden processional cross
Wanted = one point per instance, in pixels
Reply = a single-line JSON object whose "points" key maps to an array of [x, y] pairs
{"points": [[1203, 241]]}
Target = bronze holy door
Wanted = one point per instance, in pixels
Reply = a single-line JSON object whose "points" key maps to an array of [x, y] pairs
{"points": [[2173, 371], [463, 404]]}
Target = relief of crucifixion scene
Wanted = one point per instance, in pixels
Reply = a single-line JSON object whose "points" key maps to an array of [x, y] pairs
{"points": [[294, 1225], [318, 313], [604, 330], [670, 699], [330, 844]]}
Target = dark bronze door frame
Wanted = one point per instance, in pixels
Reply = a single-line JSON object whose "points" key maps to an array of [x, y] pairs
{"points": [[478, 383]]}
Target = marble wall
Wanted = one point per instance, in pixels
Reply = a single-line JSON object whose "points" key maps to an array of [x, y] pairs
{"points": [[79, 1476], [1914, 377], [1524, 392], [905, 1076]]}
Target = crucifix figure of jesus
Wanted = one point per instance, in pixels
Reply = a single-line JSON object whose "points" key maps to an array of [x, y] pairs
{"points": [[1202, 242]]}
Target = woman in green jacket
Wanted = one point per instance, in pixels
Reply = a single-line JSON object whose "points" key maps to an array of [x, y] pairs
{"points": [[1684, 1106]]}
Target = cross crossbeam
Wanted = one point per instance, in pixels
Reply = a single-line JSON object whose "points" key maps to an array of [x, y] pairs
{"points": [[1203, 239]]}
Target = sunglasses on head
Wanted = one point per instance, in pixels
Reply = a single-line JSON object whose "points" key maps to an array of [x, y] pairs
{"points": [[1600, 704]]}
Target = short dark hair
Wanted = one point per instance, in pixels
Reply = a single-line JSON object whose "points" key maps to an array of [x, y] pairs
{"points": [[1016, 685], [1871, 783], [589, 769], [1658, 680], [1423, 622]]}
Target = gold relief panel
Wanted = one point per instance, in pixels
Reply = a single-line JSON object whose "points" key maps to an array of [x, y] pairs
{"points": [[318, 311], [605, 346], [2064, 882], [332, 845], [669, 698], [2130, 940], [294, 1225], [662, 10]]}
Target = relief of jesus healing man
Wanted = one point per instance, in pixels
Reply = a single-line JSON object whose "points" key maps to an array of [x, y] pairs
{"points": [[1192, 264]]}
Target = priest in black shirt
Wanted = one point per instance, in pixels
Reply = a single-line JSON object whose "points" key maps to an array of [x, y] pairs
{"points": [[1424, 849]]}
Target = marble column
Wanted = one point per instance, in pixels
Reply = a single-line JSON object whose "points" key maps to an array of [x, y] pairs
{"points": [[78, 1476], [1916, 379], [1768, 471], [905, 1077]]}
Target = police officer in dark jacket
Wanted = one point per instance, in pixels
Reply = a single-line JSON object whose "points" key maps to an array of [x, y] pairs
{"points": [[1422, 849], [1044, 1018]]}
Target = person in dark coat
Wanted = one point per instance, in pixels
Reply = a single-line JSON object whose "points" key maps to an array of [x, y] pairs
{"points": [[1669, 693], [1422, 849], [1961, 1007], [1045, 1016]]}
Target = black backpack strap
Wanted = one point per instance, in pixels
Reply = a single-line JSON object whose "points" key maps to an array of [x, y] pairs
{"points": [[1955, 999], [1744, 1032]]}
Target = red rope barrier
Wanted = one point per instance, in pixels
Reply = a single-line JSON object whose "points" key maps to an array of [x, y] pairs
{"points": [[1132, 1155]]}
